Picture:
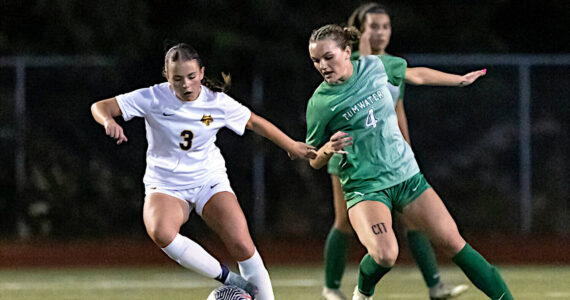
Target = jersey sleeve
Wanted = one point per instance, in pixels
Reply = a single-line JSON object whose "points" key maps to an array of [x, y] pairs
{"points": [[317, 133], [136, 103], [395, 68], [333, 166], [237, 115]]}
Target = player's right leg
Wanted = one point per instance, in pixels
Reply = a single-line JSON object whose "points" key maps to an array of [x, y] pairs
{"points": [[223, 214], [336, 245], [372, 221], [163, 215]]}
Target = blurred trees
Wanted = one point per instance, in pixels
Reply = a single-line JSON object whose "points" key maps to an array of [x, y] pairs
{"points": [[80, 183]]}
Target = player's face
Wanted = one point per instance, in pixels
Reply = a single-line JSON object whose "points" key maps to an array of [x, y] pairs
{"points": [[380, 30], [185, 78], [330, 60]]}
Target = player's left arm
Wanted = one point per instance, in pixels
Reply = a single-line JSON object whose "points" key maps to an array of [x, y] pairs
{"points": [[266, 129], [427, 76]]}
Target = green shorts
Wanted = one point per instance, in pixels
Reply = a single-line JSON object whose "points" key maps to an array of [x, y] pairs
{"points": [[397, 196]]}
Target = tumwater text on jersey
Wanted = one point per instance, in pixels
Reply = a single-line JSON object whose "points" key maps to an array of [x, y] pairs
{"points": [[375, 97]]}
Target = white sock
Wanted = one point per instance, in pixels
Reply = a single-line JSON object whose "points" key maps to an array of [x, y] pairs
{"points": [[254, 271], [192, 256]]}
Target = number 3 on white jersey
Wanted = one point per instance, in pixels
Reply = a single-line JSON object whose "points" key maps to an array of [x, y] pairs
{"points": [[371, 120], [188, 135]]}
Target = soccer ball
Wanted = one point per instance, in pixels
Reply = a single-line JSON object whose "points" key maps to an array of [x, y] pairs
{"points": [[229, 292]]}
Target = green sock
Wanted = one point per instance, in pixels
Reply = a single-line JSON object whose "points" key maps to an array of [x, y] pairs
{"points": [[422, 251], [335, 257], [369, 274], [483, 275]]}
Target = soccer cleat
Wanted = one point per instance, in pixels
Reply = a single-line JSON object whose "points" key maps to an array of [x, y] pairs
{"points": [[332, 294], [441, 291], [242, 283], [357, 295]]}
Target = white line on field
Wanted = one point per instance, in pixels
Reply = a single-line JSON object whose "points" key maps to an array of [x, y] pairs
{"points": [[138, 284]]}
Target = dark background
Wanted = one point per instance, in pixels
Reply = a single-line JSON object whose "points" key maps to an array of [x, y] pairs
{"points": [[79, 184]]}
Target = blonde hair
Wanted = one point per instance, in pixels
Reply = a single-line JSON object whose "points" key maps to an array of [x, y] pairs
{"points": [[342, 36]]}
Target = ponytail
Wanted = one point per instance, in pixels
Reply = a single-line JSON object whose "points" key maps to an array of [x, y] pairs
{"points": [[216, 85]]}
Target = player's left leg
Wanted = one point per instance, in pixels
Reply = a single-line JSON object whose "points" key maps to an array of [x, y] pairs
{"points": [[336, 245], [223, 214], [424, 255], [429, 213]]}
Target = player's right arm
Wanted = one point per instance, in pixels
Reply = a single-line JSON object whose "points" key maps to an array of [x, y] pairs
{"points": [[337, 142], [364, 43], [104, 112]]}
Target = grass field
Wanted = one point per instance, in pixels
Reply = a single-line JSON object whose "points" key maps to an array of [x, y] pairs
{"points": [[290, 282]]}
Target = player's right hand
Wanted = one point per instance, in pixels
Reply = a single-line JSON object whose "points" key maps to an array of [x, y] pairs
{"points": [[115, 131], [303, 151]]}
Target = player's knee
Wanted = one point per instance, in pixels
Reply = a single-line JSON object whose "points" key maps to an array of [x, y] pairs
{"points": [[343, 225], [161, 236], [385, 256], [450, 244], [241, 250]]}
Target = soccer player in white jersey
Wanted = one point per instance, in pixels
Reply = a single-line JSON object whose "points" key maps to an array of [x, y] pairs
{"points": [[185, 169]]}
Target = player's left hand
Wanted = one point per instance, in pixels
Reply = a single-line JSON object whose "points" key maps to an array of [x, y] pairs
{"points": [[303, 151], [338, 141], [469, 78]]}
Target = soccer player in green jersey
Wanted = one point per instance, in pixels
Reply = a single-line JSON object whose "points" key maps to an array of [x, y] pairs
{"points": [[352, 114], [373, 20]]}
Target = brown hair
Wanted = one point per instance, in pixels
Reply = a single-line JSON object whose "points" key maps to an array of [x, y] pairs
{"points": [[185, 52], [358, 16], [342, 36]]}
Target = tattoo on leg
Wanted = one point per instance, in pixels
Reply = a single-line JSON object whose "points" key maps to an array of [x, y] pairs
{"points": [[379, 228]]}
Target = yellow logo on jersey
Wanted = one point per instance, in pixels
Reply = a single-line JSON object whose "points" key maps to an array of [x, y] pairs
{"points": [[207, 120]]}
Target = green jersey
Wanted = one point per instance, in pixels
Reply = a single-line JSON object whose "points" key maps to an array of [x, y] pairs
{"points": [[363, 107], [397, 92]]}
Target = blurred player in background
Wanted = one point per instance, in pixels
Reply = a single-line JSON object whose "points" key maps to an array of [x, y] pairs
{"points": [[185, 169], [352, 114], [373, 21]]}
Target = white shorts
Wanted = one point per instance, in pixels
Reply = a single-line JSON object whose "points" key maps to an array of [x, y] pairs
{"points": [[196, 197]]}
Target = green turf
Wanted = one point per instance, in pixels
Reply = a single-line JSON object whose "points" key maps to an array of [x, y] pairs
{"points": [[290, 282]]}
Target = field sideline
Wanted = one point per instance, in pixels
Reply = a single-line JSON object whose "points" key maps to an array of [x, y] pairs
{"points": [[290, 282]]}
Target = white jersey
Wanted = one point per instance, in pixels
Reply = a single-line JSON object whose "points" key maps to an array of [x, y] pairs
{"points": [[180, 134]]}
